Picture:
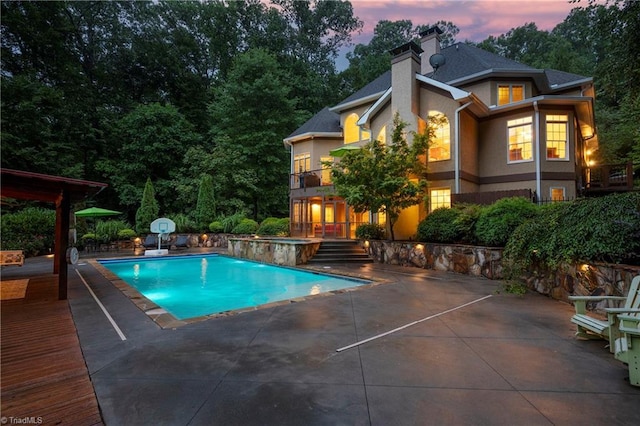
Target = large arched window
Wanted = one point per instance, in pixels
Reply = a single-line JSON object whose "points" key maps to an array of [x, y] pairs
{"points": [[352, 132], [440, 143]]}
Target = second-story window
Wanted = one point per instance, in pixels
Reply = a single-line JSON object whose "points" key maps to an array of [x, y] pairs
{"points": [[301, 162], [508, 93], [353, 132], [557, 135], [520, 140], [440, 143]]}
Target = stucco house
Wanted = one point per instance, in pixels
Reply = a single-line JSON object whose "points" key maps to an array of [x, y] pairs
{"points": [[507, 127]]}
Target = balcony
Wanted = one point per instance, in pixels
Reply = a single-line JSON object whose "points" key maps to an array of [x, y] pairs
{"points": [[310, 179], [609, 178]]}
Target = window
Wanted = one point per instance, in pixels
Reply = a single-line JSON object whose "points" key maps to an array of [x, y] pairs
{"points": [[557, 135], [440, 197], [325, 175], [440, 144], [353, 132], [508, 93], [557, 194], [382, 135], [520, 140], [301, 162]]}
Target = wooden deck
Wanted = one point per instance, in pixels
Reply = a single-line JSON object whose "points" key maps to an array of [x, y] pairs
{"points": [[44, 376]]}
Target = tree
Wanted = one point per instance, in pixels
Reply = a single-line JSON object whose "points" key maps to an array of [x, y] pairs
{"points": [[368, 61], [149, 209], [252, 112], [152, 140], [384, 178], [206, 207]]}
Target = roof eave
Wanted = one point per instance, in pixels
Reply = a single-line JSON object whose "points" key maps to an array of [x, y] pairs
{"points": [[456, 94], [366, 117], [312, 135]]}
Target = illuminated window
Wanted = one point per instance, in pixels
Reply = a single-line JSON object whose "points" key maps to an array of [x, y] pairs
{"points": [[440, 197], [557, 134], [557, 194], [352, 132], [325, 175], [520, 140], [440, 143], [302, 162], [508, 93], [382, 135]]}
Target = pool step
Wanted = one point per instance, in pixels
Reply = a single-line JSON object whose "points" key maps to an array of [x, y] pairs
{"points": [[340, 251]]}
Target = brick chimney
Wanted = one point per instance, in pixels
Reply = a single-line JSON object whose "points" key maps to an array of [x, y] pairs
{"points": [[405, 96], [430, 43]]}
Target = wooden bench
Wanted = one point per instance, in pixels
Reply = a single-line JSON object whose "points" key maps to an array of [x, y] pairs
{"points": [[589, 327], [11, 257]]}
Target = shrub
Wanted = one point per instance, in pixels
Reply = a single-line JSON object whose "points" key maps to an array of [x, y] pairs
{"points": [[216, 227], [466, 222], [31, 230], [107, 230], [246, 226], [498, 221], [595, 229], [230, 222], [184, 224], [125, 234], [370, 231], [440, 226], [274, 226]]}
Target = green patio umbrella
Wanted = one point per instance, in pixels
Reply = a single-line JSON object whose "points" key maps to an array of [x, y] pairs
{"points": [[340, 152], [96, 212]]}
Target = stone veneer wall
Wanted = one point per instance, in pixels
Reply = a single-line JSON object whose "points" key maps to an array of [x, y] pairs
{"points": [[584, 280], [277, 252]]}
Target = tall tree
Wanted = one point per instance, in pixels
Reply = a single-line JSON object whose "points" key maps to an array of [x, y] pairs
{"points": [[148, 210], [384, 178], [206, 206], [152, 141], [252, 112]]}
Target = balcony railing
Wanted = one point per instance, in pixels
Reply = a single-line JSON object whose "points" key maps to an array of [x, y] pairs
{"points": [[310, 179], [609, 178]]}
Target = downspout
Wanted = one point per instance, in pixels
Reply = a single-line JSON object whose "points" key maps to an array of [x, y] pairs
{"points": [[457, 147], [537, 143]]}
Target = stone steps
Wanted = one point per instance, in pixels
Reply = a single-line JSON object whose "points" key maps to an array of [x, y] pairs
{"points": [[340, 252]]}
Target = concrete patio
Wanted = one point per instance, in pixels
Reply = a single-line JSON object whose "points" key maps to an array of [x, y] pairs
{"points": [[505, 359]]}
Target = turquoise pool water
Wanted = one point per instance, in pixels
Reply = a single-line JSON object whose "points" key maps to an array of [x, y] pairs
{"points": [[196, 285]]}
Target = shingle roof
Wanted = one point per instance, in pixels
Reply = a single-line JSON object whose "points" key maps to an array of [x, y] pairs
{"points": [[463, 60], [380, 84], [325, 121], [560, 78]]}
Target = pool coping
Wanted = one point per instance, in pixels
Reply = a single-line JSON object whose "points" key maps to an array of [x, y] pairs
{"points": [[166, 320]]}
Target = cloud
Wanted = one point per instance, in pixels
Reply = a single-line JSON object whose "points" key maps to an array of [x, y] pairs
{"points": [[476, 19]]}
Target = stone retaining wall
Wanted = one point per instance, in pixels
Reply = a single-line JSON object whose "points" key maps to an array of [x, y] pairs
{"points": [[584, 280], [274, 251]]}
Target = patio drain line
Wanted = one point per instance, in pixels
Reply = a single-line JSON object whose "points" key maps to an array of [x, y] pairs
{"points": [[104, 310], [353, 345]]}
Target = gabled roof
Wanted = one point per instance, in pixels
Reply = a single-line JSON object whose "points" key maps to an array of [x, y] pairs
{"points": [[465, 63], [369, 92], [326, 122]]}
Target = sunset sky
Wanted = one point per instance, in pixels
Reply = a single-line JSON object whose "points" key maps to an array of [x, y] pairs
{"points": [[476, 19]]}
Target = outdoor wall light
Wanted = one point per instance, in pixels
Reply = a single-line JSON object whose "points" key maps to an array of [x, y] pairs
{"points": [[366, 243], [419, 247], [204, 237]]}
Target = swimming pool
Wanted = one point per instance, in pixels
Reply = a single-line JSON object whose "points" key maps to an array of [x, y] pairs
{"points": [[198, 285]]}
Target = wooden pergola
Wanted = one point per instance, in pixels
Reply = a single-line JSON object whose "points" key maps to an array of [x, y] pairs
{"points": [[61, 191]]}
